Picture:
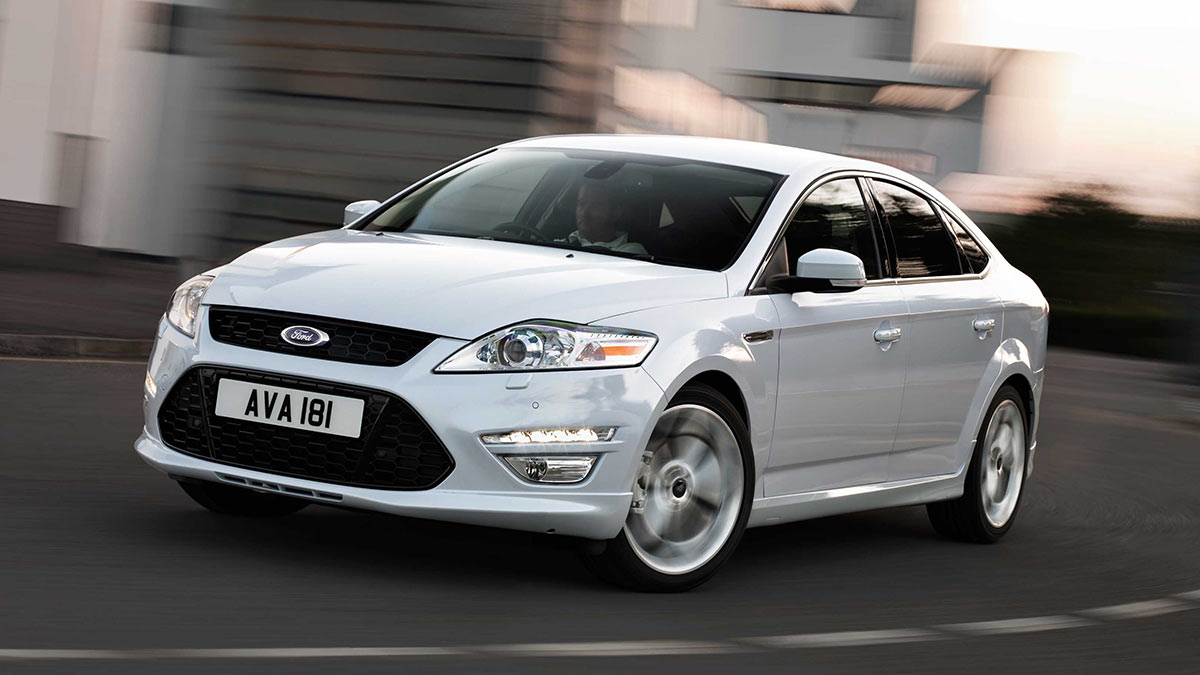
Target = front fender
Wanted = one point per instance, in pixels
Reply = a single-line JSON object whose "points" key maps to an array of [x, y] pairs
{"points": [[706, 336]]}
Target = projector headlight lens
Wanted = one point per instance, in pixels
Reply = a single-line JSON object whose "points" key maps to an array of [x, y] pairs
{"points": [[551, 345]]}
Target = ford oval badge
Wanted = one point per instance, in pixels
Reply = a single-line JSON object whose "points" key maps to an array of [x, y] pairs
{"points": [[304, 336]]}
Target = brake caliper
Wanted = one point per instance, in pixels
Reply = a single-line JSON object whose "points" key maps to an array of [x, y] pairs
{"points": [[641, 483]]}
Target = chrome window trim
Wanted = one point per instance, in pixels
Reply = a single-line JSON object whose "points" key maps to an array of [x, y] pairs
{"points": [[862, 173], [944, 278]]}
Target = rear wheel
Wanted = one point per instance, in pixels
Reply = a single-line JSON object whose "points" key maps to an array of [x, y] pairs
{"points": [[995, 478], [235, 501], [691, 499]]}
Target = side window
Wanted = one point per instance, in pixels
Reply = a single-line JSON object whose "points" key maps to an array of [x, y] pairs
{"points": [[923, 246], [833, 216], [977, 258]]}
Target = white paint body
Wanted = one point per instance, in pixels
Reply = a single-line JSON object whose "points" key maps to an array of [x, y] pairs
{"points": [[838, 421]]}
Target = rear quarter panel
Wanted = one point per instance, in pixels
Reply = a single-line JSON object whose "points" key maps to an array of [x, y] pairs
{"points": [[1020, 352]]}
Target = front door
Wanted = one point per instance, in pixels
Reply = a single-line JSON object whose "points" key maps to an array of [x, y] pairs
{"points": [[842, 356]]}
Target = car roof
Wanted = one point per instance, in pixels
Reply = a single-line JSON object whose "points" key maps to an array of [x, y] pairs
{"points": [[780, 159]]}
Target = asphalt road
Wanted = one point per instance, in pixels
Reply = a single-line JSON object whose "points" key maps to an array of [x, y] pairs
{"points": [[99, 552]]}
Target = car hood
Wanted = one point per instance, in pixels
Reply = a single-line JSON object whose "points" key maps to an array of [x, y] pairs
{"points": [[449, 286]]}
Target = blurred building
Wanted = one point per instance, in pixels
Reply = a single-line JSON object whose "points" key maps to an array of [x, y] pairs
{"points": [[831, 75], [200, 128]]}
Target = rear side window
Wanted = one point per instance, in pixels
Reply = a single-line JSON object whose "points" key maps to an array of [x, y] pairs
{"points": [[977, 258], [923, 246], [833, 216]]}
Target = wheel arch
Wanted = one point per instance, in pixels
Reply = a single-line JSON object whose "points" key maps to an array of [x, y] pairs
{"points": [[1011, 364], [704, 341], [1024, 387], [726, 386], [729, 379]]}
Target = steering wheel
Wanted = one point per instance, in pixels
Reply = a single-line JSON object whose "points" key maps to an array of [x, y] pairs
{"points": [[521, 231]]}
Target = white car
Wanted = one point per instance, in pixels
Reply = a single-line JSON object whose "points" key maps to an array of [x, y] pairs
{"points": [[649, 343]]}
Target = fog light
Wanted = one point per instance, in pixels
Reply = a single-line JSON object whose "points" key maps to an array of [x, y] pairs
{"points": [[566, 435], [552, 468], [150, 386]]}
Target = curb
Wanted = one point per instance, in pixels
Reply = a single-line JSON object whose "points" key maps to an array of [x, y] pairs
{"points": [[74, 346]]}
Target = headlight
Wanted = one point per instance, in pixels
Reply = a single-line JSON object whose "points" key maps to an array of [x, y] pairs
{"points": [[186, 302], [550, 345]]}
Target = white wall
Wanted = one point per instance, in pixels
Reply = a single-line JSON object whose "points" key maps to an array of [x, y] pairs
{"points": [[96, 117], [27, 144]]}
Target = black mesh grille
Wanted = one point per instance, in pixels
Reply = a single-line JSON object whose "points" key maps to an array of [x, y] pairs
{"points": [[349, 341], [395, 451]]}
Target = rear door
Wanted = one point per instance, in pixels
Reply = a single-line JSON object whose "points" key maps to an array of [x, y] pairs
{"points": [[839, 386], [953, 330]]}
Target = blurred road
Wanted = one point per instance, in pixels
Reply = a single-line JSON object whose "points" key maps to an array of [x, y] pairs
{"points": [[98, 551]]}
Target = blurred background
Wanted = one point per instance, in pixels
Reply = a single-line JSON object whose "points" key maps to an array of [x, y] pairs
{"points": [[142, 141]]}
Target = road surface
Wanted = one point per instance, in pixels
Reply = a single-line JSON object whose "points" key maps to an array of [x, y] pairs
{"points": [[106, 566]]}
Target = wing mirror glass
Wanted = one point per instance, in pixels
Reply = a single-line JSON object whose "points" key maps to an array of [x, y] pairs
{"points": [[822, 270], [357, 210]]}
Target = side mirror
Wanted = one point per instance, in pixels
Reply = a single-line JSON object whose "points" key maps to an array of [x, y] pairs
{"points": [[358, 209], [822, 269]]}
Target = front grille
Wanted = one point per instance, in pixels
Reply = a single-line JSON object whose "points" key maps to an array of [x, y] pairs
{"points": [[396, 449], [349, 341]]}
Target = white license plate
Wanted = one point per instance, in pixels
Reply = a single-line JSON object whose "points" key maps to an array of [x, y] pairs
{"points": [[337, 415]]}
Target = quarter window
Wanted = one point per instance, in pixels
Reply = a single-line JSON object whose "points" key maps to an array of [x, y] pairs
{"points": [[833, 216], [977, 258], [923, 246]]}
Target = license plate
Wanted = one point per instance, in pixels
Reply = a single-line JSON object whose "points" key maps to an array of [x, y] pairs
{"points": [[293, 408]]}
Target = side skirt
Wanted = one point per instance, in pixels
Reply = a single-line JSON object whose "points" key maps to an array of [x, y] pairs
{"points": [[821, 503]]}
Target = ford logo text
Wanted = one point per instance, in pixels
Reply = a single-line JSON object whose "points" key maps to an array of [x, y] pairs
{"points": [[304, 336]]}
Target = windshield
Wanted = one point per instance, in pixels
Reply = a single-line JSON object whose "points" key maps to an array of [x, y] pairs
{"points": [[669, 211]]}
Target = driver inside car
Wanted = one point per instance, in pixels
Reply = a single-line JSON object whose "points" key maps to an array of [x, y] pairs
{"points": [[597, 213]]}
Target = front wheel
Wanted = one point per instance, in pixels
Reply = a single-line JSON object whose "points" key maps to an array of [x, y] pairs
{"points": [[691, 500], [235, 501], [995, 477]]}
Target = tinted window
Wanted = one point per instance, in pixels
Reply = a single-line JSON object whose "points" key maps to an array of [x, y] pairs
{"points": [[833, 216], [666, 210], [923, 246], [977, 258]]}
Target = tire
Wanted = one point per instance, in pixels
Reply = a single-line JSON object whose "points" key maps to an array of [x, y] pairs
{"points": [[235, 501], [698, 477], [977, 516]]}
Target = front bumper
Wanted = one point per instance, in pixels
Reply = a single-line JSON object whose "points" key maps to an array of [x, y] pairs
{"points": [[480, 489]]}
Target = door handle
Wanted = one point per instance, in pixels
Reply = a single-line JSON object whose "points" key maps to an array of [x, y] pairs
{"points": [[983, 325], [887, 334]]}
